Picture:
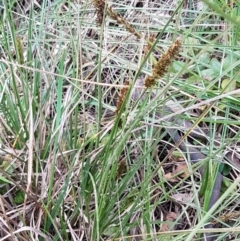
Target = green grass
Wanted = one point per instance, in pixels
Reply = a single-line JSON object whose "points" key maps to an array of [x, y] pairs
{"points": [[62, 148]]}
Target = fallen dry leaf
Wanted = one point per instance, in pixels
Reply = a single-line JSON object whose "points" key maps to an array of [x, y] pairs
{"points": [[169, 177], [184, 198], [170, 217], [183, 169]]}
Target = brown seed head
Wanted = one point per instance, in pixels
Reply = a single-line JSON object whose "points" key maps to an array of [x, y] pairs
{"points": [[161, 67]]}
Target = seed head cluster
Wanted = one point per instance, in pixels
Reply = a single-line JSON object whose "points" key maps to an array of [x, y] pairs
{"points": [[100, 6], [161, 67], [122, 96], [113, 15]]}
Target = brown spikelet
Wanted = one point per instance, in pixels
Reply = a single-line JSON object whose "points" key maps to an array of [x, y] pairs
{"points": [[113, 15], [149, 44], [100, 6], [20, 51], [161, 67], [122, 166], [226, 217], [150, 81], [122, 96]]}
